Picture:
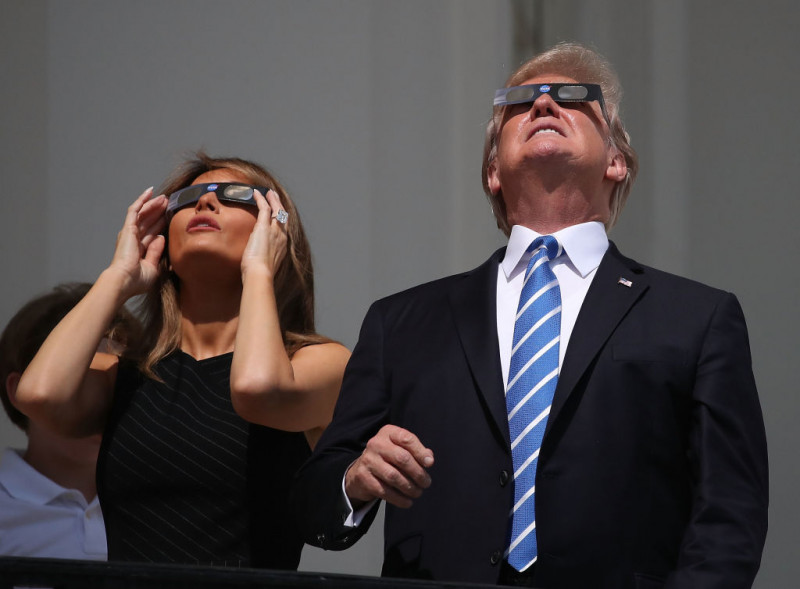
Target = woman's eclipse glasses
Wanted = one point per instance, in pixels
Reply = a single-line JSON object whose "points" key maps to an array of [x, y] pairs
{"points": [[559, 92], [234, 192]]}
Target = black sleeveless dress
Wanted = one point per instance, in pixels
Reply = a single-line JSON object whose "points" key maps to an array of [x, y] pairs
{"points": [[183, 479]]}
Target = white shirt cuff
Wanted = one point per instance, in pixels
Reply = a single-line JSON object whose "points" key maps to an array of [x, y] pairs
{"points": [[354, 517]]}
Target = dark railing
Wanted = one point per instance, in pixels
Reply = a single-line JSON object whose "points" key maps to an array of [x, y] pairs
{"points": [[75, 574]]}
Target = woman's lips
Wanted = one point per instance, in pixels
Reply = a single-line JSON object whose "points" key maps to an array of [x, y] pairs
{"points": [[202, 223]]}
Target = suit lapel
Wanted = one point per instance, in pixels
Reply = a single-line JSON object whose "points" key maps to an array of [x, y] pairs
{"points": [[616, 287], [473, 300]]}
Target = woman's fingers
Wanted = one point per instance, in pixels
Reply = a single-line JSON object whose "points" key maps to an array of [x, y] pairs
{"points": [[274, 202], [140, 243], [264, 210], [154, 206], [142, 199], [267, 243], [154, 249], [132, 214]]}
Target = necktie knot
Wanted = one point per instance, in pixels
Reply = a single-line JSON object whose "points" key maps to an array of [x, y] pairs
{"points": [[545, 246]]}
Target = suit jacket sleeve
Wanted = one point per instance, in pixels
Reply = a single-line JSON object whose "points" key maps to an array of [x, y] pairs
{"points": [[728, 454], [362, 409]]}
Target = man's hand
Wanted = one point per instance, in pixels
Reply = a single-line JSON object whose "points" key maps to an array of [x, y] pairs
{"points": [[392, 467]]}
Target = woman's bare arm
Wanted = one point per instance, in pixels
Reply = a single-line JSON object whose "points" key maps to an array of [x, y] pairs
{"points": [[59, 389], [268, 387]]}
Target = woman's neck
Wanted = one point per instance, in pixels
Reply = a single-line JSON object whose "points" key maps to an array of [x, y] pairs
{"points": [[209, 318]]}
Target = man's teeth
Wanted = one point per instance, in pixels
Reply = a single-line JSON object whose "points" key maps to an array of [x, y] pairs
{"points": [[546, 131]]}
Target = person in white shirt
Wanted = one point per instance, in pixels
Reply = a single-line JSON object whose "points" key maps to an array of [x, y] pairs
{"points": [[48, 499]]}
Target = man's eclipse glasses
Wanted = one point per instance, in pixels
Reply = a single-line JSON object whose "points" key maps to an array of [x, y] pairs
{"points": [[559, 93], [234, 192]]}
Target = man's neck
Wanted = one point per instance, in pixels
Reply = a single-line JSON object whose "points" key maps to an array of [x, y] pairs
{"points": [[547, 209]]}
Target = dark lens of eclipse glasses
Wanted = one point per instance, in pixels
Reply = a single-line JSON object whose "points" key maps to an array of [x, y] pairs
{"points": [[185, 196], [229, 191]]}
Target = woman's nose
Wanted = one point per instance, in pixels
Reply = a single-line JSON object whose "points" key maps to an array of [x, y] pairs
{"points": [[208, 201]]}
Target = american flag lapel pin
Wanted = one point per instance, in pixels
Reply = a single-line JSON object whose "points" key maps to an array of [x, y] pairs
{"points": [[624, 282]]}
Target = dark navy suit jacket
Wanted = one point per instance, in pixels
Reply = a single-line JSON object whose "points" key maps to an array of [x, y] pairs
{"points": [[653, 468]]}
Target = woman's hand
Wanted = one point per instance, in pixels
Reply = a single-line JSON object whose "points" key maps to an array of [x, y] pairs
{"points": [[266, 247], [140, 243]]}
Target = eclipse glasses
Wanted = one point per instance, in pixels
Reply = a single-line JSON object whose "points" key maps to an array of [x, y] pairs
{"points": [[560, 93], [234, 192]]}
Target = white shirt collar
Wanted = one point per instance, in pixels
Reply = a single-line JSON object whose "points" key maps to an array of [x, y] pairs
{"points": [[584, 245], [24, 482]]}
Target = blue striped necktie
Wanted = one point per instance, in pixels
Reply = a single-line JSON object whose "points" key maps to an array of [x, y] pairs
{"points": [[532, 378]]}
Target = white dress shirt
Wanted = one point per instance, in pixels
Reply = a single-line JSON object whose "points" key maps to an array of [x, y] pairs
{"points": [[583, 247], [43, 519]]}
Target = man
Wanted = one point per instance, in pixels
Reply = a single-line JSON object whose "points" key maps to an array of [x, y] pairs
{"points": [[561, 416], [48, 496]]}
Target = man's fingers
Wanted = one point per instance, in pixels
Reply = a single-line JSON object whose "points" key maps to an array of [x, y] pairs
{"points": [[392, 467], [407, 464], [401, 481], [403, 437], [365, 481], [405, 454], [397, 499]]}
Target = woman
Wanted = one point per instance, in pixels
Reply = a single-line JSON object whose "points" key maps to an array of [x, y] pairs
{"points": [[182, 477]]}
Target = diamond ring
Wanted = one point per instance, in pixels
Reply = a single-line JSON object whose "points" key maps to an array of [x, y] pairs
{"points": [[282, 216]]}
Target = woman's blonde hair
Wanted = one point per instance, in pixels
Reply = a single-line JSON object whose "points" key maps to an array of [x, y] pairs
{"points": [[294, 280]]}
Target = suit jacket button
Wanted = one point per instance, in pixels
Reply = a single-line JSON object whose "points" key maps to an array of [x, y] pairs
{"points": [[321, 538], [496, 556], [503, 478]]}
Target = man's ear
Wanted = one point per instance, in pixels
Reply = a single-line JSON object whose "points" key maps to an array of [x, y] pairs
{"points": [[617, 168], [12, 381], [492, 178]]}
